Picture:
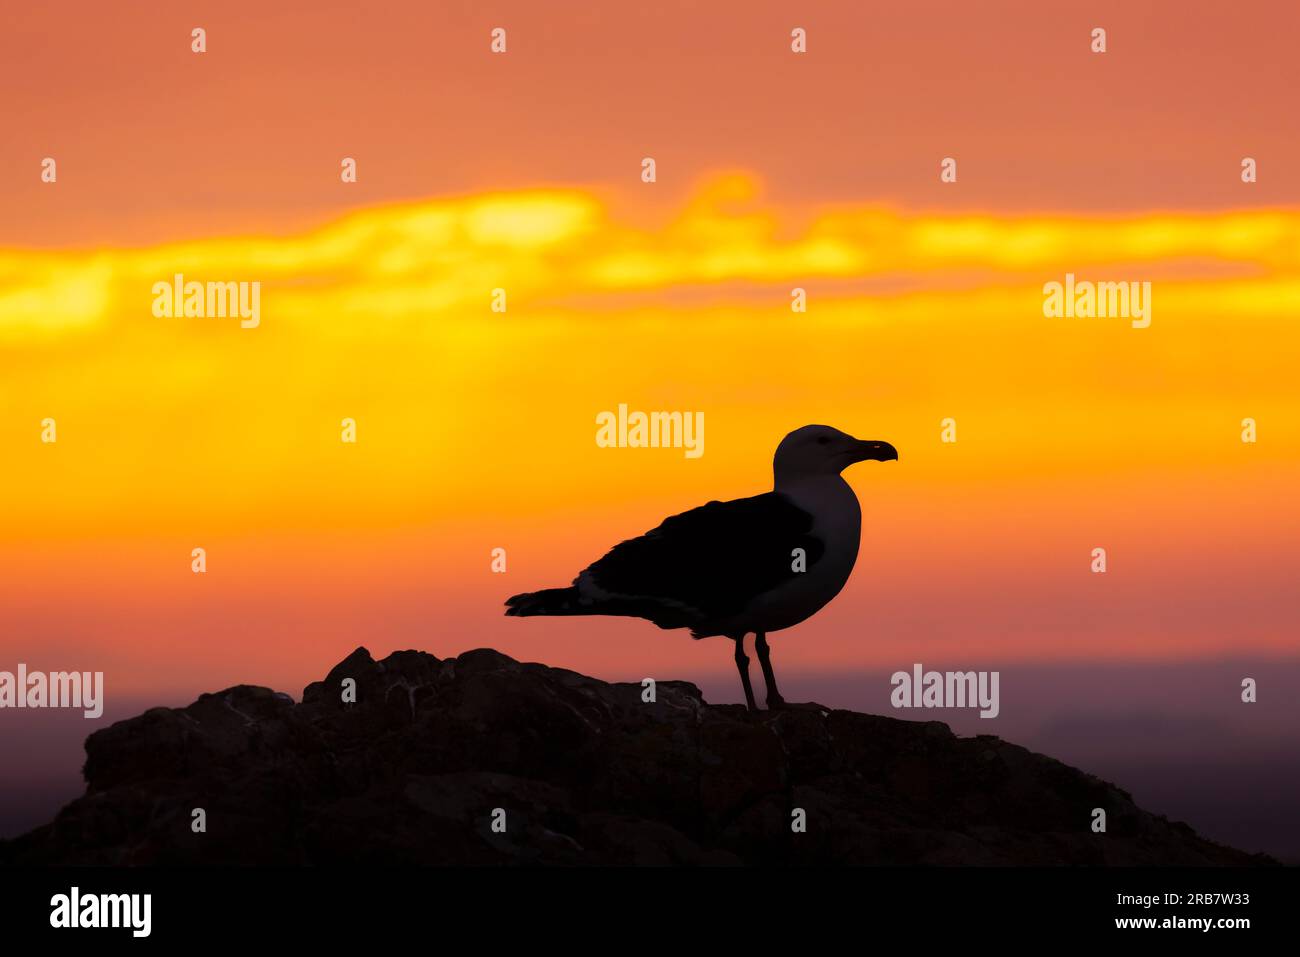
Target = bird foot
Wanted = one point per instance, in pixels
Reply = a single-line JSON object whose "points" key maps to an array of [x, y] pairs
{"points": [[775, 702]]}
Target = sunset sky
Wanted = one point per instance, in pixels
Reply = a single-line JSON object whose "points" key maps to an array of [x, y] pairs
{"points": [[521, 171]]}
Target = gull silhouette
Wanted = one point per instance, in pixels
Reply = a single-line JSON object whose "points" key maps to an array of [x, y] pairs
{"points": [[758, 564]]}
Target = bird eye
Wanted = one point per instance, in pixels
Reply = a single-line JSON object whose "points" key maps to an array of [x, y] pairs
{"points": [[823, 441]]}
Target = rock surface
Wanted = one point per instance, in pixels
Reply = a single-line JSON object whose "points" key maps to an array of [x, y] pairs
{"points": [[585, 772]]}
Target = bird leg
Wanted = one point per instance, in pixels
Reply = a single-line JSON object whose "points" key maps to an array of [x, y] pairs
{"points": [[742, 665], [774, 699]]}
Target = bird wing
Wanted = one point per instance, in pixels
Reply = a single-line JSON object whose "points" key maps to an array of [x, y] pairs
{"points": [[707, 564]]}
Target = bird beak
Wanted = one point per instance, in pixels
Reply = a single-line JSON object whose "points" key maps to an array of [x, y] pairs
{"points": [[874, 452]]}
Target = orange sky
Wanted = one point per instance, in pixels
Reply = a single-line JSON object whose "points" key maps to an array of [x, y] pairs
{"points": [[155, 142], [476, 429]]}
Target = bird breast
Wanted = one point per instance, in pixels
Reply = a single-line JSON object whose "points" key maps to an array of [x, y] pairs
{"points": [[837, 522]]}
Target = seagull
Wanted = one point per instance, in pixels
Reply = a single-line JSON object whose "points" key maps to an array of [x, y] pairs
{"points": [[758, 564]]}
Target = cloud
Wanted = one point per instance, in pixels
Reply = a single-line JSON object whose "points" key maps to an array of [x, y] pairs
{"points": [[547, 245]]}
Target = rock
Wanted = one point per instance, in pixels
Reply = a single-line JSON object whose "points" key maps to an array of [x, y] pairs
{"points": [[580, 772]]}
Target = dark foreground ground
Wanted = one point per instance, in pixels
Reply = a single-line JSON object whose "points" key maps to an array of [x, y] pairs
{"points": [[480, 759]]}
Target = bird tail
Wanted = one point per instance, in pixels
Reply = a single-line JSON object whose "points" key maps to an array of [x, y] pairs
{"points": [[548, 601]]}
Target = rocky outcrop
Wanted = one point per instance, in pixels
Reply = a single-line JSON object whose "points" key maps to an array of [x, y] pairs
{"points": [[573, 771]]}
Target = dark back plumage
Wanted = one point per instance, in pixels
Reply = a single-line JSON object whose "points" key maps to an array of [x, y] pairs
{"points": [[695, 570]]}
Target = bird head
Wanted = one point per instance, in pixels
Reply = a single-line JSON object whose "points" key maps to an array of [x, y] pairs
{"points": [[820, 450]]}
